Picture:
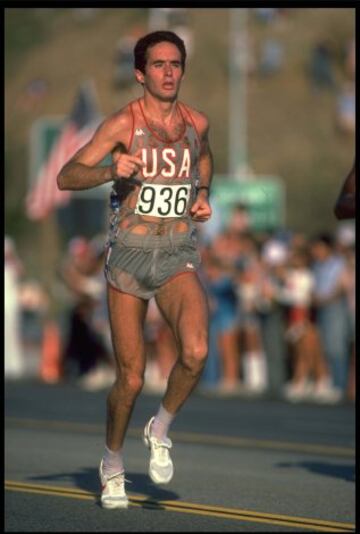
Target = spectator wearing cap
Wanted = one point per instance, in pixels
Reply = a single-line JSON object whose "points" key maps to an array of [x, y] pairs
{"points": [[272, 314]]}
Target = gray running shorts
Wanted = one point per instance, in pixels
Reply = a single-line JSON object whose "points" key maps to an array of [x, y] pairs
{"points": [[140, 265]]}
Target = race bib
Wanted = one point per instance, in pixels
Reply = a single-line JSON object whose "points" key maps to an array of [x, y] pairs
{"points": [[163, 200]]}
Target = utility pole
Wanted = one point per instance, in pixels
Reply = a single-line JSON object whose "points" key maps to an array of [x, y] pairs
{"points": [[237, 93]]}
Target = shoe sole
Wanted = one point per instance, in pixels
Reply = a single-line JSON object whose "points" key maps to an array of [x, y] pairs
{"points": [[112, 506], [157, 480]]}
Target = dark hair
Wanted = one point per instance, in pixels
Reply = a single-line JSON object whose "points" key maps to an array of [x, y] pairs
{"points": [[324, 238], [151, 39]]}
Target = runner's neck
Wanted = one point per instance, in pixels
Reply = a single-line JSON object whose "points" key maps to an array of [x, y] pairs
{"points": [[156, 110]]}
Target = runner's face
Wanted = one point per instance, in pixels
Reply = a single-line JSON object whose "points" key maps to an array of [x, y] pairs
{"points": [[163, 71]]}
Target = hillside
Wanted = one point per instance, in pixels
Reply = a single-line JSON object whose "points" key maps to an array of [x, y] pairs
{"points": [[291, 130]]}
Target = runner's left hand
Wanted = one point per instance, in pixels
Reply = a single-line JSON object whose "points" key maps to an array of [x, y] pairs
{"points": [[200, 211]]}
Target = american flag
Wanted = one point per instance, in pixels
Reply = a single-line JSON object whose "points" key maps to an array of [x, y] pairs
{"points": [[76, 132]]}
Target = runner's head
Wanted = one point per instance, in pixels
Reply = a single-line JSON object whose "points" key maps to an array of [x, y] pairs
{"points": [[150, 40]]}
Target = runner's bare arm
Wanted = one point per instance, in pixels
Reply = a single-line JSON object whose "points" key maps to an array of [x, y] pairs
{"points": [[81, 171], [201, 210], [206, 162], [345, 204]]}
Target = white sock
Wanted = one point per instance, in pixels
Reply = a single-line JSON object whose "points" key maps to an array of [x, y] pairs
{"points": [[112, 462], [161, 423], [255, 370]]}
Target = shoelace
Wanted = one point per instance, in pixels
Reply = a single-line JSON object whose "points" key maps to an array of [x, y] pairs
{"points": [[116, 479], [162, 449]]}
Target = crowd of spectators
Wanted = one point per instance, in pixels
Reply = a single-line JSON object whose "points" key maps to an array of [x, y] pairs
{"points": [[282, 315]]}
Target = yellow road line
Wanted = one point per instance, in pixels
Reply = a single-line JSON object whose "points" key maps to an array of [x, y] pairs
{"points": [[191, 508], [192, 437]]}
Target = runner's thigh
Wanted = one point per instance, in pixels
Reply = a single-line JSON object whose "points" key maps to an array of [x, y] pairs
{"points": [[184, 305]]}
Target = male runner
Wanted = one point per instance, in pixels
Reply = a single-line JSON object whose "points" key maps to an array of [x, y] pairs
{"points": [[345, 203], [162, 170]]}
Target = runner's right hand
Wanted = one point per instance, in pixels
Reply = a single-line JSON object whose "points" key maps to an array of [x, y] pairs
{"points": [[126, 165]]}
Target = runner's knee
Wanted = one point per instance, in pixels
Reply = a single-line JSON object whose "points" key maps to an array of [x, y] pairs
{"points": [[130, 382], [194, 356]]}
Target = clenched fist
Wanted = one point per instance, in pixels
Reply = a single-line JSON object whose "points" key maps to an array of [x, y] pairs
{"points": [[126, 165], [201, 211]]}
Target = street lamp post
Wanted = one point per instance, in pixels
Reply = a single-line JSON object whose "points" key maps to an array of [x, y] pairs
{"points": [[237, 93]]}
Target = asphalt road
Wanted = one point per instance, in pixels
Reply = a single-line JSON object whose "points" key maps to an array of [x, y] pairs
{"points": [[246, 465]]}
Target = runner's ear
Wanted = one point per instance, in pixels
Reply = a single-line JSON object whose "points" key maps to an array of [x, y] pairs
{"points": [[139, 76]]}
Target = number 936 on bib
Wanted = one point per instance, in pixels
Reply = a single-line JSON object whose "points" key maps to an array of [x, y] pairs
{"points": [[163, 200]]}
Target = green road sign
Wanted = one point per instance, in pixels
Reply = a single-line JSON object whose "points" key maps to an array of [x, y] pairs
{"points": [[264, 197]]}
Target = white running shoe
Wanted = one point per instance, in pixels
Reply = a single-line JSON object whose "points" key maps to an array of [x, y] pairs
{"points": [[330, 395], [300, 391], [113, 490], [161, 468]]}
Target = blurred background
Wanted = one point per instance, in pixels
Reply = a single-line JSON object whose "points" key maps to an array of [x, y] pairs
{"points": [[278, 85]]}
